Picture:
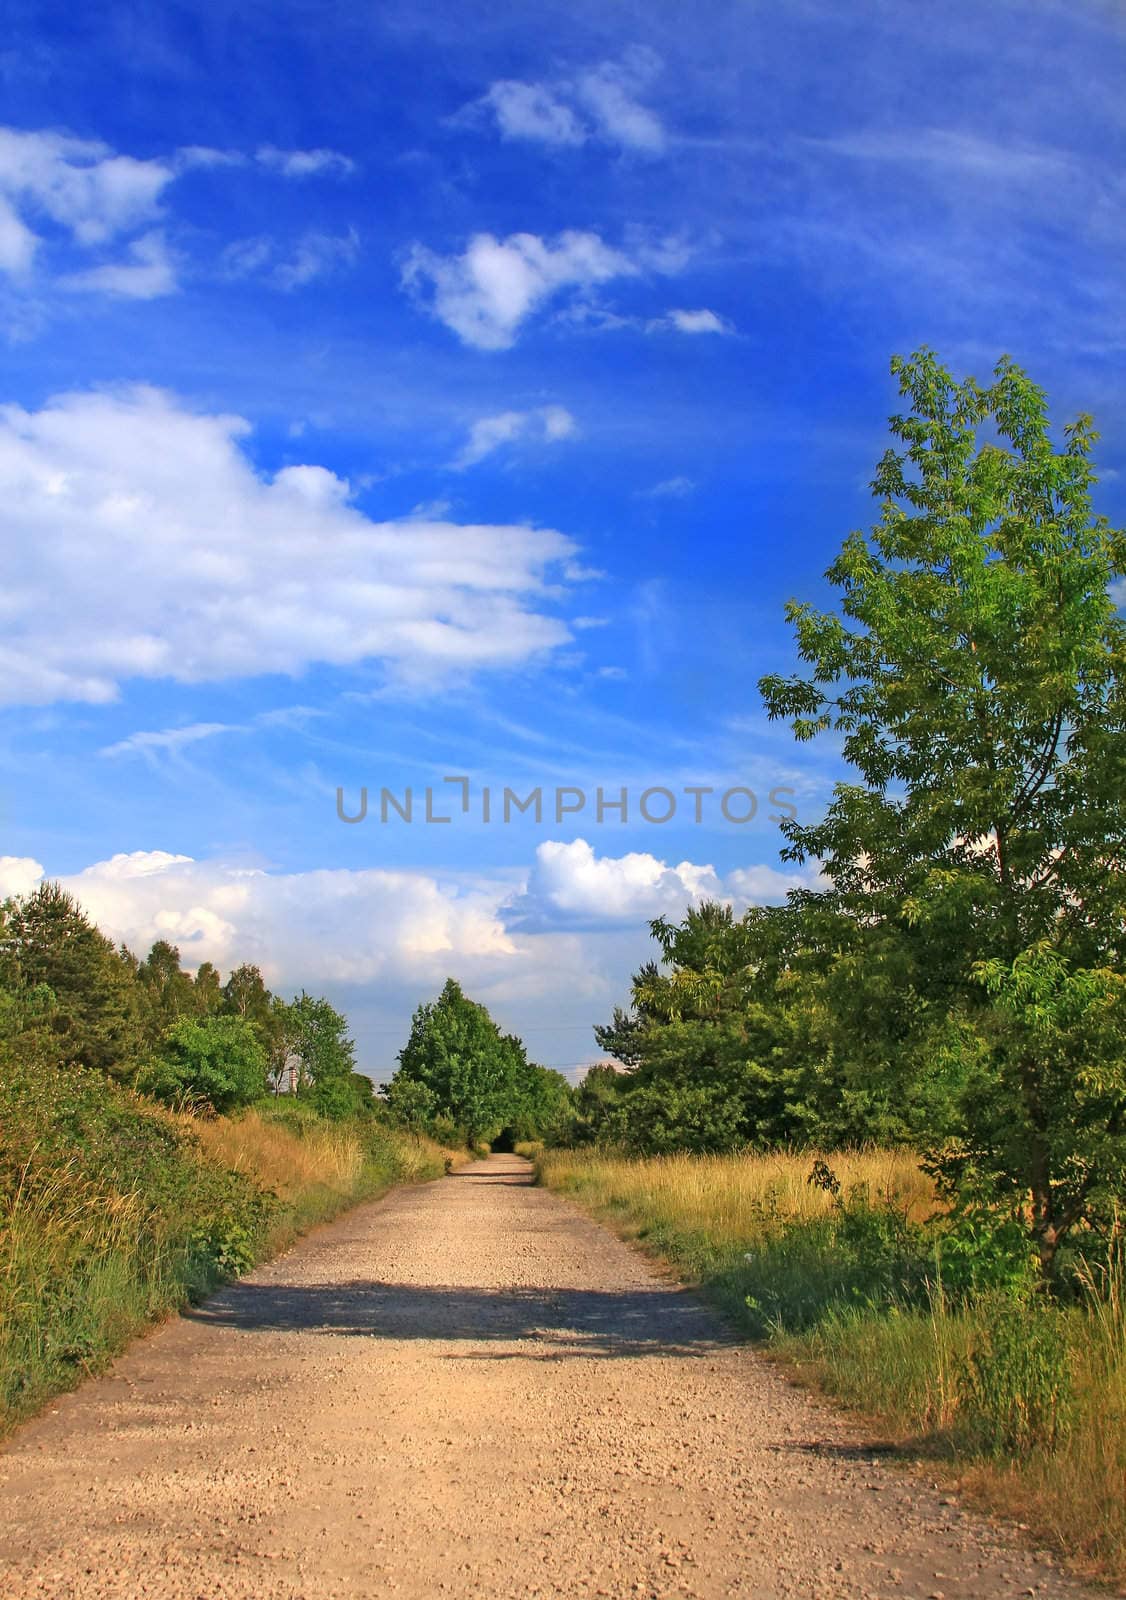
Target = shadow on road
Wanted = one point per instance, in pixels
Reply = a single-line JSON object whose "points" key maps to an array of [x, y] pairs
{"points": [[562, 1322]]}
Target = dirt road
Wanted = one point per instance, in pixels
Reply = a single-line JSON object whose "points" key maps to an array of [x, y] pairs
{"points": [[469, 1389]]}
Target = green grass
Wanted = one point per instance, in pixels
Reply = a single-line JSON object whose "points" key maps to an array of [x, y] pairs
{"points": [[1020, 1400], [114, 1213]]}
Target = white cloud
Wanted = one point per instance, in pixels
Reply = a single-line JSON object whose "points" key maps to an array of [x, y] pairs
{"points": [[335, 925], [608, 93], [143, 543], [80, 184], [485, 293], [600, 103], [702, 321], [570, 886], [532, 111], [548, 424], [19, 875], [316, 254], [17, 242], [148, 275], [1118, 590], [304, 163], [677, 488], [167, 739]]}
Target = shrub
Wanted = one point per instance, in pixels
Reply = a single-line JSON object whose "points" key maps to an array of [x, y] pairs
{"points": [[214, 1061]]}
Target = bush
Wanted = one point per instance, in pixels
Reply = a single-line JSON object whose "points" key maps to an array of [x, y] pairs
{"points": [[215, 1062], [1017, 1382]]}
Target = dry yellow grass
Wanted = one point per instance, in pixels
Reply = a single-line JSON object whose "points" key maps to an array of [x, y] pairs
{"points": [[723, 1195]]}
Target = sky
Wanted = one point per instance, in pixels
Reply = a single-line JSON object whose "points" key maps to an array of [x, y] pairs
{"points": [[403, 398]]}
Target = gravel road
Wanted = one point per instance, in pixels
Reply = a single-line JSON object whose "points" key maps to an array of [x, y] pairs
{"points": [[470, 1389]]}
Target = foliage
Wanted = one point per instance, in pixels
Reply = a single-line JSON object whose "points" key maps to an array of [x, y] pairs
{"points": [[47, 943], [1025, 1398], [976, 674], [457, 1071], [215, 1062]]}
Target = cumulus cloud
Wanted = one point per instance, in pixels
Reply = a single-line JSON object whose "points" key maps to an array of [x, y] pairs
{"points": [[600, 104], [144, 544], [570, 886], [1118, 590], [547, 424], [19, 875], [333, 925], [304, 163], [485, 293], [80, 184], [147, 274]]}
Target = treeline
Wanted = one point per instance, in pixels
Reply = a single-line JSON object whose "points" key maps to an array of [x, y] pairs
{"points": [[958, 981], [69, 996]]}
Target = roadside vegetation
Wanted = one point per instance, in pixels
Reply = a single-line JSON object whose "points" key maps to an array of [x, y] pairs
{"points": [[160, 1132], [845, 1264], [947, 997]]}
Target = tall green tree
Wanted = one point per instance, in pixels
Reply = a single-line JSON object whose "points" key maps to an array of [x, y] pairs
{"points": [[48, 942], [326, 1058], [167, 993], [457, 1052], [975, 672]]}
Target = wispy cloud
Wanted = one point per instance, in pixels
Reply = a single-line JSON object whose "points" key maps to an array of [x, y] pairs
{"points": [[146, 274], [546, 424], [599, 104], [701, 321], [313, 256], [167, 740], [305, 163], [678, 488]]}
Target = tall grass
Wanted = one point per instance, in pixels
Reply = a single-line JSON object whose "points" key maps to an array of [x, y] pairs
{"points": [[1024, 1401], [114, 1212]]}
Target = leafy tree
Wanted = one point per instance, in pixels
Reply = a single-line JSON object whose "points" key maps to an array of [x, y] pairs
{"points": [[976, 673], [326, 1058], [47, 941], [167, 992], [457, 1052], [208, 989], [216, 1061]]}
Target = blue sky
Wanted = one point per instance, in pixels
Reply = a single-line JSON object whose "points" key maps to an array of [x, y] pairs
{"points": [[395, 394]]}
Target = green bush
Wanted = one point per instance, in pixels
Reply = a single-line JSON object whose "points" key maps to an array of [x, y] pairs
{"points": [[1017, 1387], [212, 1061], [111, 1215]]}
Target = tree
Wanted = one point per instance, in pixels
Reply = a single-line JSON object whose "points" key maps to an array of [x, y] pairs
{"points": [[457, 1052], [216, 1061], [208, 989], [976, 672], [167, 992], [326, 1058], [47, 941]]}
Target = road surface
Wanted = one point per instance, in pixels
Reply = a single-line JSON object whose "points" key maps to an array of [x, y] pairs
{"points": [[470, 1389]]}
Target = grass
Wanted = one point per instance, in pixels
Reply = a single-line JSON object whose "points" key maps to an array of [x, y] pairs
{"points": [[1021, 1401], [114, 1213]]}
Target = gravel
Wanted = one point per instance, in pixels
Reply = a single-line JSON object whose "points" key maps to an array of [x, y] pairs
{"points": [[471, 1389]]}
